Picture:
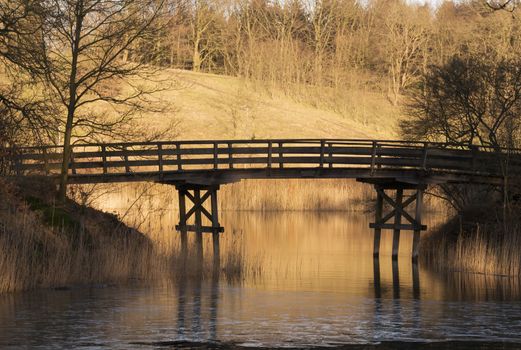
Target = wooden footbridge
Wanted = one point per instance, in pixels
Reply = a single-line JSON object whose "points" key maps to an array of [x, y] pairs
{"points": [[399, 171]]}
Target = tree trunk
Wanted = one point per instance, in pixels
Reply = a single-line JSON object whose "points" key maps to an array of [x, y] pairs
{"points": [[71, 108], [196, 59]]}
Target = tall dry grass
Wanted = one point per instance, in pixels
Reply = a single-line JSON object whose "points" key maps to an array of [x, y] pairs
{"points": [[490, 248], [292, 195], [49, 246], [43, 245]]}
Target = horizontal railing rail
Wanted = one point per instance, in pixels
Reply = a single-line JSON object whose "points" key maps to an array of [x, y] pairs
{"points": [[182, 156]]}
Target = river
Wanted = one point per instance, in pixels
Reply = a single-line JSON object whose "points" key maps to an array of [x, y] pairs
{"points": [[309, 280]]}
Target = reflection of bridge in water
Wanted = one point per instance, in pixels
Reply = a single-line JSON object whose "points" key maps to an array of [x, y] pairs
{"points": [[399, 171]]}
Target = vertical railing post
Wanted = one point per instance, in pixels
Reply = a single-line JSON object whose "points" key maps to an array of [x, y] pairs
{"points": [[160, 159], [322, 152], [178, 151], [373, 157], [281, 155], [71, 162], [425, 155], [330, 148], [45, 161], [474, 150], [125, 158], [270, 154], [378, 157], [18, 162], [230, 155], [215, 155], [104, 158]]}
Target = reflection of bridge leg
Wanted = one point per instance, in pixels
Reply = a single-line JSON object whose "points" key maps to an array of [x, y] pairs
{"points": [[415, 281], [396, 280], [376, 278], [181, 307], [398, 213], [417, 231], [214, 304]]}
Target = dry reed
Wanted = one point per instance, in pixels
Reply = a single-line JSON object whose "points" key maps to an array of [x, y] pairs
{"points": [[490, 248], [292, 195], [49, 247]]}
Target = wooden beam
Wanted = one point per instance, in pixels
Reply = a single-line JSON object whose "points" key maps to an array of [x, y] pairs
{"points": [[397, 223], [417, 231], [182, 222], [378, 230]]}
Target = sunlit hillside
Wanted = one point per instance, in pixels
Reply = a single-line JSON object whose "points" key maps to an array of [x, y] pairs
{"points": [[214, 106]]}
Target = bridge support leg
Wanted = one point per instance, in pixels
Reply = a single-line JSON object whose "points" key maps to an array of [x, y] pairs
{"points": [[397, 223], [378, 231], [198, 195], [404, 196], [182, 225]]}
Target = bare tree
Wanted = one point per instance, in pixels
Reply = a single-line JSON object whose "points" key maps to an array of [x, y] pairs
{"points": [[470, 101], [86, 54], [404, 32]]}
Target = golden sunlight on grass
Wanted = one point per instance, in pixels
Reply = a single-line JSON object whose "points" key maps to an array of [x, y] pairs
{"points": [[212, 106]]}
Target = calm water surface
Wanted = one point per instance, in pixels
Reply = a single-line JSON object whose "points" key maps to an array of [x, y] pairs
{"points": [[318, 285]]}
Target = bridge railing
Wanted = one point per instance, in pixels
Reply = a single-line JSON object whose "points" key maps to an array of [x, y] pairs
{"points": [[179, 156]]}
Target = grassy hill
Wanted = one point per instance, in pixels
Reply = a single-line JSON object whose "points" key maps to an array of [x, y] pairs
{"points": [[215, 106]]}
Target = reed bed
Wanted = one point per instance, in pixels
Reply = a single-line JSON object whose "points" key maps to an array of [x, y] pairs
{"points": [[42, 245], [292, 195], [490, 248], [46, 246]]}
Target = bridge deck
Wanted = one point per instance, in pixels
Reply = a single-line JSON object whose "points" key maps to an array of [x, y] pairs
{"points": [[224, 161]]}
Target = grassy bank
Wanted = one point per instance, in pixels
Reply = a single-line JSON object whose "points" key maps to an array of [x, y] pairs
{"points": [[42, 245]]}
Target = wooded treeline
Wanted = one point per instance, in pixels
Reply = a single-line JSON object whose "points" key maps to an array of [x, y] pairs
{"points": [[384, 45], [82, 69]]}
